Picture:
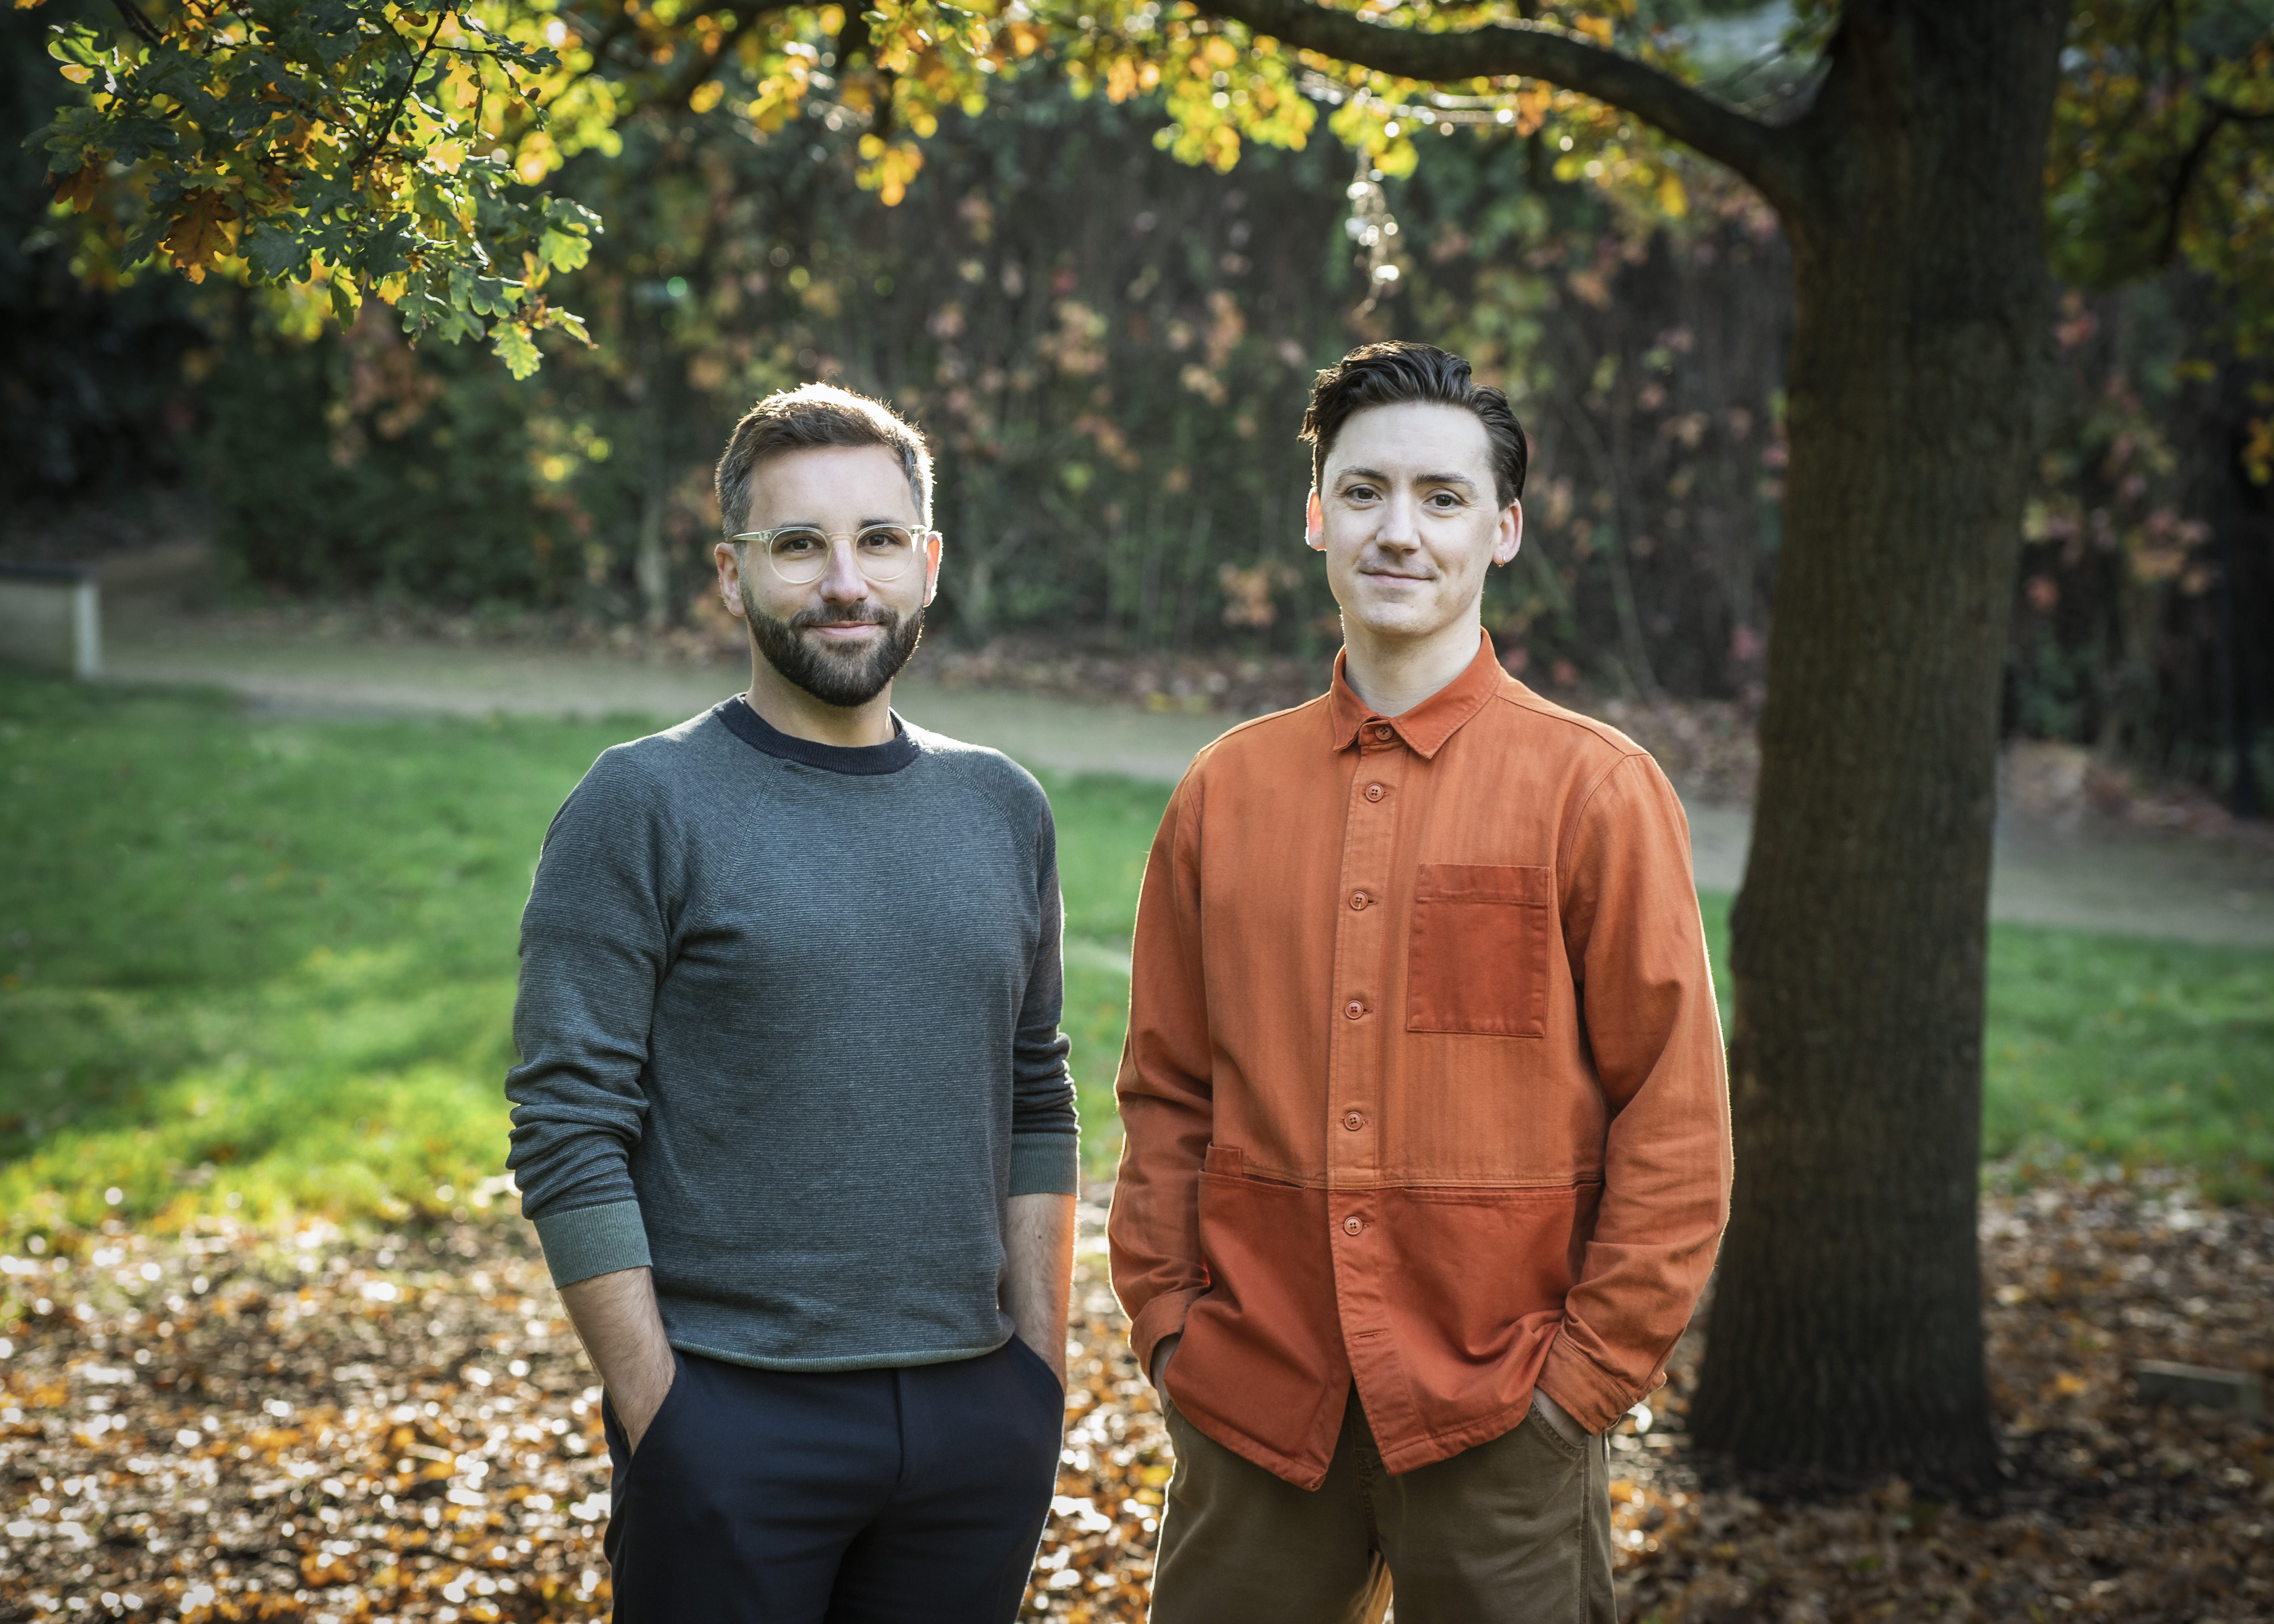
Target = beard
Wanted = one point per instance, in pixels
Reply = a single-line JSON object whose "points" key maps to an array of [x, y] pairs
{"points": [[848, 677]]}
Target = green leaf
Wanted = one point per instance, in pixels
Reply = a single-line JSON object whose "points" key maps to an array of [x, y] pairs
{"points": [[564, 251], [76, 44], [493, 295], [275, 250], [515, 349]]}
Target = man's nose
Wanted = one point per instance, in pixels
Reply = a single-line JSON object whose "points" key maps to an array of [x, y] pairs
{"points": [[842, 582], [1400, 524]]}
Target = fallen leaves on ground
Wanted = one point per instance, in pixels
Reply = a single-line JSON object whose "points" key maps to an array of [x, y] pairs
{"points": [[234, 1424], [2114, 1509], [240, 1423]]}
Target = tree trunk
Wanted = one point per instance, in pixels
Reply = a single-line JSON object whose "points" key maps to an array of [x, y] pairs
{"points": [[1847, 1330]]}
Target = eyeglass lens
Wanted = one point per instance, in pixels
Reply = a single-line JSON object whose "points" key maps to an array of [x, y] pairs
{"points": [[884, 553]]}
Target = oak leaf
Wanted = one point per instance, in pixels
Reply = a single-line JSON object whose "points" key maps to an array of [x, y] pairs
{"points": [[201, 234], [78, 188]]}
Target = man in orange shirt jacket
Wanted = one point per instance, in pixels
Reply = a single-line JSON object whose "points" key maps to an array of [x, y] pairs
{"points": [[1427, 1130]]}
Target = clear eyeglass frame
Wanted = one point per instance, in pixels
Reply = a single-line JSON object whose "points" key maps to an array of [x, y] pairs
{"points": [[881, 551]]}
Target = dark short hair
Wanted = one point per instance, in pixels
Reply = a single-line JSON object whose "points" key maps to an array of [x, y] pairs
{"points": [[819, 414], [1396, 371]]}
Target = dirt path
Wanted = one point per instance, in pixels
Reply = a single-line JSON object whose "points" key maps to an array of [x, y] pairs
{"points": [[2132, 882]]}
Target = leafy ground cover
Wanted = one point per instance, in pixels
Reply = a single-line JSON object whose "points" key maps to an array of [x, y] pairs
{"points": [[264, 965], [239, 1421]]}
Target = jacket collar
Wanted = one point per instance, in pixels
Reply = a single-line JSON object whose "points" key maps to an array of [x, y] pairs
{"points": [[1425, 728]]}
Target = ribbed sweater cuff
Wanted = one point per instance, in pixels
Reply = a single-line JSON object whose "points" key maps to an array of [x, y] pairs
{"points": [[1045, 1164], [593, 1240]]}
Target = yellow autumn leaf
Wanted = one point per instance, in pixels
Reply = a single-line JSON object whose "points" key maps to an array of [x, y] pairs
{"points": [[1596, 29], [78, 188], [201, 234], [2258, 451]]}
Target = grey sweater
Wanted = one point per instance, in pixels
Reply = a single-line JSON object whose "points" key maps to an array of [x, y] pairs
{"points": [[789, 1032]]}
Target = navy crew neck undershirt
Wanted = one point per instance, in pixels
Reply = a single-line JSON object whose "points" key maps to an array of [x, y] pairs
{"points": [[859, 761]]}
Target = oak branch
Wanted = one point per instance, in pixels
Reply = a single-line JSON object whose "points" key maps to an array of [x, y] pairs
{"points": [[1765, 154]]}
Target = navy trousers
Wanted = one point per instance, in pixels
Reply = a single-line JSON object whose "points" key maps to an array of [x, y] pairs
{"points": [[913, 1495]]}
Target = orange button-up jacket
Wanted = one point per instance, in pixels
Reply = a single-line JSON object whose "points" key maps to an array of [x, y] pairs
{"points": [[1424, 1085]]}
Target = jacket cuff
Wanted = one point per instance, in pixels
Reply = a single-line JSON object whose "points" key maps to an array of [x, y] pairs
{"points": [[593, 1240], [1163, 1316], [1045, 1164], [1595, 1398]]}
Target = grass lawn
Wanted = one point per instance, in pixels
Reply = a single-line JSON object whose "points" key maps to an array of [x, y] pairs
{"points": [[268, 964]]}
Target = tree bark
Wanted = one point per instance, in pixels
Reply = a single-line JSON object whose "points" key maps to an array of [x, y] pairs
{"points": [[1847, 1328]]}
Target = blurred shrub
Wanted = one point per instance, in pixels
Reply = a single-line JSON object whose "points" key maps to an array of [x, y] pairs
{"points": [[91, 388], [356, 467], [1110, 352], [2146, 596]]}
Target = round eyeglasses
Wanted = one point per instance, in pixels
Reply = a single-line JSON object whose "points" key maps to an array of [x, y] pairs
{"points": [[799, 554]]}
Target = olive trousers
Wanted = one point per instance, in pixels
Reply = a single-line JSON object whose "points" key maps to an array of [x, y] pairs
{"points": [[1517, 1531]]}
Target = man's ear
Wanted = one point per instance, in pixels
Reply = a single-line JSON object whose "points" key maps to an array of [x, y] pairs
{"points": [[730, 576], [1511, 535], [1314, 522], [932, 551]]}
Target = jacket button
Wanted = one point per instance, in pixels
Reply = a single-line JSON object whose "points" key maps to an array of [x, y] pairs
{"points": [[1383, 731], [1354, 1120], [1374, 792], [1353, 1008], [1359, 900], [1352, 1226]]}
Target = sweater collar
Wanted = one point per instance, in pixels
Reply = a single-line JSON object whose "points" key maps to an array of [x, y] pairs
{"points": [[858, 761]]}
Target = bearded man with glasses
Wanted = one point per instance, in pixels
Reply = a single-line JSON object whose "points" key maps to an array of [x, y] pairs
{"points": [[793, 1117]]}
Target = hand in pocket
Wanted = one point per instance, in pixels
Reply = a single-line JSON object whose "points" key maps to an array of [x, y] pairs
{"points": [[1561, 1419], [638, 1407]]}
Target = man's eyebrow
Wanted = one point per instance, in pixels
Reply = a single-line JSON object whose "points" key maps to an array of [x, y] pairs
{"points": [[1462, 480]]}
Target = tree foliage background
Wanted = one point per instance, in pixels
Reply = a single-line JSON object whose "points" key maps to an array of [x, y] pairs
{"points": [[231, 259]]}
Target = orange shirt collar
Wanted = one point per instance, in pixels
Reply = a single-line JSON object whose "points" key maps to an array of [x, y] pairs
{"points": [[1428, 725]]}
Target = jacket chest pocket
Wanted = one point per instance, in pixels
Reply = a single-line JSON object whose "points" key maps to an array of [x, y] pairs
{"points": [[1478, 956]]}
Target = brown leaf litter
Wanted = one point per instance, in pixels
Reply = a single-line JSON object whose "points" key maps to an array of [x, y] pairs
{"points": [[311, 1424]]}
